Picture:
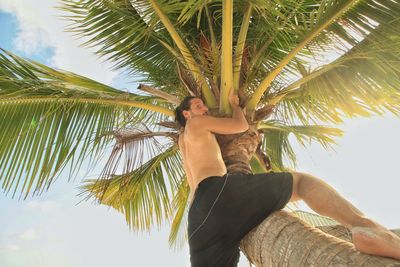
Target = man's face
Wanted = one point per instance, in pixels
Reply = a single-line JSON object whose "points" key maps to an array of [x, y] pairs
{"points": [[197, 108]]}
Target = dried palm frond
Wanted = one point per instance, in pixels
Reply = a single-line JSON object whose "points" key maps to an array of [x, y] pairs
{"points": [[133, 145]]}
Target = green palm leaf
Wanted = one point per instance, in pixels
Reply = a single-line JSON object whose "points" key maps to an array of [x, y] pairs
{"points": [[276, 142], [178, 233], [364, 80], [142, 195], [294, 20], [128, 34], [38, 140], [52, 119]]}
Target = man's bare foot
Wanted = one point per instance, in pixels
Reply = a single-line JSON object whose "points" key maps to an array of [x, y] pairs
{"points": [[376, 241]]}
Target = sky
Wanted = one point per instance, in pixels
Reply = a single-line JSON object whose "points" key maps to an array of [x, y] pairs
{"points": [[54, 230]]}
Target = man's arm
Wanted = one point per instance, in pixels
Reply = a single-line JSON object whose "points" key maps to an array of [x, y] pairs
{"points": [[236, 124]]}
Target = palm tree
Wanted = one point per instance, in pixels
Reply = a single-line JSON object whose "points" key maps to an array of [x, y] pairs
{"points": [[296, 65]]}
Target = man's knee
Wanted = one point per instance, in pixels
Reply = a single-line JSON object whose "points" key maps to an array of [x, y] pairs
{"points": [[295, 191], [300, 181]]}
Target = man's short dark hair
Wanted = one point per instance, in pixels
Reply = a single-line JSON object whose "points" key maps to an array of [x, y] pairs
{"points": [[185, 105]]}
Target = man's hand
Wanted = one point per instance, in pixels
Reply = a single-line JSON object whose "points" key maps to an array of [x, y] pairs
{"points": [[236, 124], [233, 98]]}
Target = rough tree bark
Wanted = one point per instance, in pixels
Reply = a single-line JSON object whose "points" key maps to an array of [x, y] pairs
{"points": [[285, 240]]}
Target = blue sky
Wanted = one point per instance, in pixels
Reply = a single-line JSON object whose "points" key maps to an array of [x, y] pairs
{"points": [[51, 230], [9, 25]]}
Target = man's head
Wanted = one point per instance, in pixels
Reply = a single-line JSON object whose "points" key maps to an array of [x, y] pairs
{"points": [[190, 107]]}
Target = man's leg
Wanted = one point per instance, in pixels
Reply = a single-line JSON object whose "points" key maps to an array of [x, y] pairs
{"points": [[368, 236]]}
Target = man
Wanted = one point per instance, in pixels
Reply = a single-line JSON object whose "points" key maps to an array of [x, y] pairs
{"points": [[225, 207]]}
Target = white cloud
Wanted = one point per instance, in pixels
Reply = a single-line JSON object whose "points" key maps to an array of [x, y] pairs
{"points": [[28, 235], [11, 247], [43, 206], [30, 39], [40, 27]]}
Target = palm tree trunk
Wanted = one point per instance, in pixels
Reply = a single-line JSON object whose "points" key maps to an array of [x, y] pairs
{"points": [[285, 240], [238, 149]]}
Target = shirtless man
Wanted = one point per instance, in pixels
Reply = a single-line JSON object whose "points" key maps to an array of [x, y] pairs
{"points": [[225, 207]]}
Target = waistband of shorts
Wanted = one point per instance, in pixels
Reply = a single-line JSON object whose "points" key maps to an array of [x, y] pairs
{"points": [[203, 183], [210, 178]]}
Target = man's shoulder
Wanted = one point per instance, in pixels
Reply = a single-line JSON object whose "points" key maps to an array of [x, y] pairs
{"points": [[198, 125], [200, 120]]}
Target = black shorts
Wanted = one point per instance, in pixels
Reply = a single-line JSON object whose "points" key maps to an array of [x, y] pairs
{"points": [[226, 208]]}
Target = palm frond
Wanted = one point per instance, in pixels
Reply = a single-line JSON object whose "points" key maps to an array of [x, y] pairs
{"points": [[178, 233], [314, 219], [39, 140], [321, 134], [358, 23], [190, 61], [30, 78], [128, 35], [142, 195], [133, 144], [257, 166], [364, 80], [226, 56], [240, 45], [276, 142], [329, 11], [156, 92], [30, 81], [52, 119]]}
